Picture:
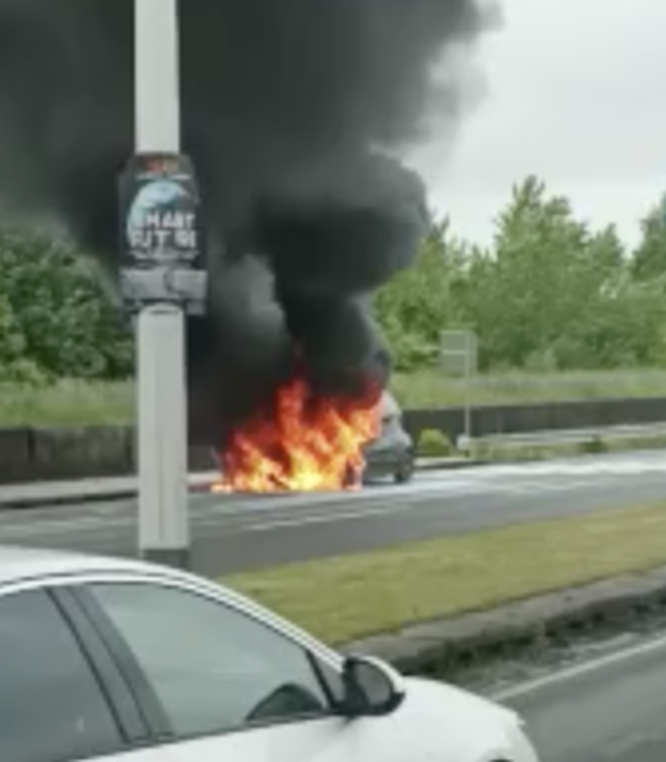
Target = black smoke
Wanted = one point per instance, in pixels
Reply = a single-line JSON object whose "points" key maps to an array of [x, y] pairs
{"points": [[288, 109]]}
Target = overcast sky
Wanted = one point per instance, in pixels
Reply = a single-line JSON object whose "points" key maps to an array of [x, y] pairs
{"points": [[577, 95]]}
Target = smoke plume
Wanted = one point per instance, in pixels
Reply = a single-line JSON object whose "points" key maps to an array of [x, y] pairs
{"points": [[289, 111]]}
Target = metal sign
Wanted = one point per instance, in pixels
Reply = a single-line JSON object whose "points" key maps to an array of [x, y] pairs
{"points": [[459, 353], [162, 257]]}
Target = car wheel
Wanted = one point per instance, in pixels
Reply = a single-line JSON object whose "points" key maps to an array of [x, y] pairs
{"points": [[405, 472]]}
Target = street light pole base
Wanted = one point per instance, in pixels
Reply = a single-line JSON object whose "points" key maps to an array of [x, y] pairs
{"points": [[178, 558]]}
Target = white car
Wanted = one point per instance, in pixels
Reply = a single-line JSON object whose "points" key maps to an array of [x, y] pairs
{"points": [[106, 659]]}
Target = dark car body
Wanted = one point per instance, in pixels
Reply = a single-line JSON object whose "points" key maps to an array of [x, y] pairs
{"points": [[392, 452]]}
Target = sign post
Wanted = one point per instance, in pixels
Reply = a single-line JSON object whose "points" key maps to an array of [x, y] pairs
{"points": [[459, 355], [162, 278]]}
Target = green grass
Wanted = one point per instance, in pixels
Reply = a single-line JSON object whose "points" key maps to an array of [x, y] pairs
{"points": [[68, 403], [347, 598], [431, 388], [75, 403]]}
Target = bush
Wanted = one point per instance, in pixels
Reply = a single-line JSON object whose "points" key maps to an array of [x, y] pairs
{"points": [[54, 318], [433, 444]]}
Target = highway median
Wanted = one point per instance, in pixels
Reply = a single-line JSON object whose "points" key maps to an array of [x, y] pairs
{"points": [[513, 432], [425, 601]]}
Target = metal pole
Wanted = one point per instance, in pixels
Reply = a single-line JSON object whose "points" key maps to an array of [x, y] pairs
{"points": [[468, 394], [161, 403], [157, 74], [163, 520]]}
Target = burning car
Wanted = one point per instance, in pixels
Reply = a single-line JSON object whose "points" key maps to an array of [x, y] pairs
{"points": [[333, 447], [305, 443], [392, 452]]}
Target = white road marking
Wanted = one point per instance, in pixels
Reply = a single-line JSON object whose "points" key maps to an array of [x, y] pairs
{"points": [[211, 517], [339, 515], [606, 467], [580, 670], [512, 479]]}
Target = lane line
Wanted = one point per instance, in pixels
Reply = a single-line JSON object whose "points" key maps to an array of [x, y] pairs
{"points": [[580, 670], [243, 508], [332, 515], [629, 468], [414, 504], [427, 482]]}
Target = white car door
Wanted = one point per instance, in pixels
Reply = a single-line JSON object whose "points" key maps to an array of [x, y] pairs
{"points": [[52, 705], [212, 669], [319, 741]]}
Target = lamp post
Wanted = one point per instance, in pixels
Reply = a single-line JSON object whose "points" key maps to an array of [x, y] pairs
{"points": [[162, 279]]}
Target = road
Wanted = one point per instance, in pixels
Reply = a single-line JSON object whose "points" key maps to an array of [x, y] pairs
{"points": [[233, 533], [611, 709]]}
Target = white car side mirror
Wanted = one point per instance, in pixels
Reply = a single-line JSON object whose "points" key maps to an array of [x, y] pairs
{"points": [[372, 687]]}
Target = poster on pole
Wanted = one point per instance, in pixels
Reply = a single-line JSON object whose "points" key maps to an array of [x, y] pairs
{"points": [[162, 257]]}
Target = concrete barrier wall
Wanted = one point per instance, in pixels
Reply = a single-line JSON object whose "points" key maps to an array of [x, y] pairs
{"points": [[32, 454], [522, 419]]}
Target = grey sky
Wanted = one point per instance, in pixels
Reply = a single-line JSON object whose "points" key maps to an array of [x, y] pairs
{"points": [[576, 96]]}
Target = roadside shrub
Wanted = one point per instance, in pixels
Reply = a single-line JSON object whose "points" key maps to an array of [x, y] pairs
{"points": [[433, 444]]}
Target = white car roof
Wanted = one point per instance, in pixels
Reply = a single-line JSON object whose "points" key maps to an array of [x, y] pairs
{"points": [[20, 563], [34, 565]]}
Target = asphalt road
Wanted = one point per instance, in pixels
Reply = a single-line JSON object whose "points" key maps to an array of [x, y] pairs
{"points": [[232, 533], [612, 709]]}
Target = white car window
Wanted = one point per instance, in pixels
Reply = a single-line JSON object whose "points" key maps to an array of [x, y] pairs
{"points": [[51, 706], [213, 668]]}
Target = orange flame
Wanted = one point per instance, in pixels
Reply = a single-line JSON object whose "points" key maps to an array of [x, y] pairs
{"points": [[304, 447]]}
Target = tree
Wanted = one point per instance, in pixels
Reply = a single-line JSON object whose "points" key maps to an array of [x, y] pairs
{"points": [[650, 255], [420, 302], [622, 326], [56, 320], [538, 275], [549, 293]]}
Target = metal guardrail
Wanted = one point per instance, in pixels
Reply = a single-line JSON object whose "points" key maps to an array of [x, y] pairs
{"points": [[566, 437], [494, 420]]}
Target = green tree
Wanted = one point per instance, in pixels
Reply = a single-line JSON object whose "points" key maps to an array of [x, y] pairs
{"points": [[650, 255], [536, 288], [420, 302], [54, 312], [549, 293], [524, 287], [621, 326]]}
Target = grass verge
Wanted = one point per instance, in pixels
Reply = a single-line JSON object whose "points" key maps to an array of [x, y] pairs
{"points": [[347, 598], [77, 403], [67, 403], [430, 388]]}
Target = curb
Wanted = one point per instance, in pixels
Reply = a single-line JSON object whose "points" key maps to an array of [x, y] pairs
{"points": [[96, 491], [450, 463], [438, 647], [87, 492], [25, 503]]}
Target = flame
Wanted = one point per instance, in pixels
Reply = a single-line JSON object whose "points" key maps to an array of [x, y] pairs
{"points": [[306, 446]]}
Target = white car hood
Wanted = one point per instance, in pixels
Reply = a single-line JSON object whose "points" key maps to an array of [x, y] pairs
{"points": [[461, 700], [448, 720]]}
